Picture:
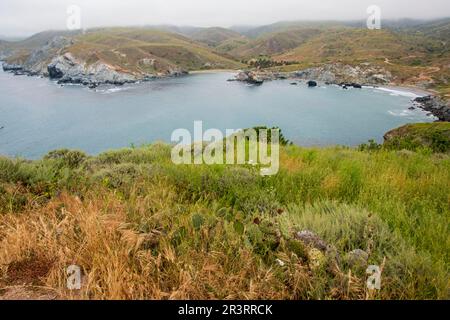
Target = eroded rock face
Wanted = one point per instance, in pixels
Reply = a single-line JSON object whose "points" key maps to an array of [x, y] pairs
{"points": [[38, 60], [57, 62], [64, 66], [68, 69]]}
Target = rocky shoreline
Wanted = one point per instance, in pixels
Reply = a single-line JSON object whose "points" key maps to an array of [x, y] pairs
{"points": [[66, 69], [336, 73], [435, 105], [346, 77]]}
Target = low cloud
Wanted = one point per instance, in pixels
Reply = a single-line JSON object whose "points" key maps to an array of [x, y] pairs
{"points": [[21, 17]]}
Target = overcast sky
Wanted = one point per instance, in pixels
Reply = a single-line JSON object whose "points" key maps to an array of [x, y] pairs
{"points": [[24, 17]]}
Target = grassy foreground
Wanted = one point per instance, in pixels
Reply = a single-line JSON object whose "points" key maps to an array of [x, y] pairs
{"points": [[143, 228]]}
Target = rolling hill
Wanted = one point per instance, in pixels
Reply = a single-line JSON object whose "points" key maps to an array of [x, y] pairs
{"points": [[281, 26], [439, 29], [130, 48], [413, 51], [275, 43], [127, 53], [411, 58], [214, 37]]}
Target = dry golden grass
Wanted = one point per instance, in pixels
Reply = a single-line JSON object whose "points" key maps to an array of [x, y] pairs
{"points": [[94, 233]]}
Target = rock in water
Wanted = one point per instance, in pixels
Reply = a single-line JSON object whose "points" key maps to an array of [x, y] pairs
{"points": [[242, 76], [11, 67], [249, 77], [312, 84]]}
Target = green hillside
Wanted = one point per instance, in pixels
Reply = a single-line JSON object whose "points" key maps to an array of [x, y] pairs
{"points": [[290, 25], [133, 50], [216, 36], [410, 58], [143, 228], [438, 29], [411, 54], [414, 52], [127, 48], [40, 39], [359, 45], [275, 43]]}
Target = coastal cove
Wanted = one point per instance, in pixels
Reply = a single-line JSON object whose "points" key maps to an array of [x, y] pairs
{"points": [[39, 116]]}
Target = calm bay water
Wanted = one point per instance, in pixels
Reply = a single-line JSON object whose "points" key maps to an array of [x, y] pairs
{"points": [[38, 116]]}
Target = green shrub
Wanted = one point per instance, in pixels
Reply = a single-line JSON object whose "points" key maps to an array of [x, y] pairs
{"points": [[68, 158], [372, 145]]}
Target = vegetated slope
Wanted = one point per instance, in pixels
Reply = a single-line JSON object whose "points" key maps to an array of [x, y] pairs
{"points": [[414, 52], [275, 43], [140, 50], [131, 50], [352, 44], [214, 37], [289, 25], [227, 46], [434, 136], [439, 29], [42, 38], [410, 58], [141, 227]]}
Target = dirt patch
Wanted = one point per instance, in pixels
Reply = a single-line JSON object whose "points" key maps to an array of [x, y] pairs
{"points": [[30, 271]]}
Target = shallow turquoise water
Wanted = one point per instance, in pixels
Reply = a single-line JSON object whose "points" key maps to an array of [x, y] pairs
{"points": [[39, 116]]}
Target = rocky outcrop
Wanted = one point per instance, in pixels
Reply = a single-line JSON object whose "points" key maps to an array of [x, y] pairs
{"points": [[337, 73], [67, 69], [53, 60], [249, 77], [435, 105], [355, 76], [39, 58]]}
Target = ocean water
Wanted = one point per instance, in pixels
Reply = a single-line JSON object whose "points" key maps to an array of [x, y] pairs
{"points": [[38, 116]]}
